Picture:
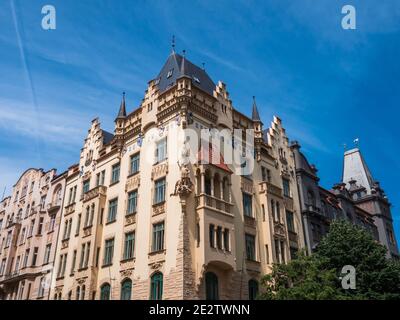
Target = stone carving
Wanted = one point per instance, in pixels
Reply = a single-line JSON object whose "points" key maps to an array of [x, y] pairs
{"points": [[184, 185]]}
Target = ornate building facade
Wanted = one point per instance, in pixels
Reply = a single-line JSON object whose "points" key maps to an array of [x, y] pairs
{"points": [[187, 199], [140, 222], [29, 221]]}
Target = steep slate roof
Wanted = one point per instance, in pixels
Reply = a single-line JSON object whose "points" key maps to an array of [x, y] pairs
{"points": [[122, 108], [355, 168], [107, 137], [255, 115], [301, 161], [180, 66]]}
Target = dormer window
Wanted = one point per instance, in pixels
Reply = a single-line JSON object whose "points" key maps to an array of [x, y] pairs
{"points": [[170, 72], [157, 81], [196, 79]]}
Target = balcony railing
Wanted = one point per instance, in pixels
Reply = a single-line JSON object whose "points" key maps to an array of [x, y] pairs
{"points": [[13, 221], [270, 188], [54, 205], [206, 200], [95, 192]]}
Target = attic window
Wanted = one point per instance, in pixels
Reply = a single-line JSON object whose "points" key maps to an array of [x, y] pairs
{"points": [[196, 79], [170, 72], [157, 81]]}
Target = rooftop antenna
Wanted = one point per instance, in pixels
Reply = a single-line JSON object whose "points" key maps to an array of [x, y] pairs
{"points": [[173, 43]]}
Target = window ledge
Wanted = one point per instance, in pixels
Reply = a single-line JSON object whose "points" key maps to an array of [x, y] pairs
{"points": [[113, 183], [110, 222], [107, 265]]}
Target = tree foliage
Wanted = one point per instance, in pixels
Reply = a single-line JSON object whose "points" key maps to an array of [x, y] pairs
{"points": [[317, 276]]}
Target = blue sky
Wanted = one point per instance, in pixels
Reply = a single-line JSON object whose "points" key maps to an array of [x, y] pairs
{"points": [[328, 85]]}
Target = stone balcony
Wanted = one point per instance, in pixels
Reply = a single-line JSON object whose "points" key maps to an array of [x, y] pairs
{"points": [[53, 206], [208, 201], [267, 187], [95, 192], [13, 222]]}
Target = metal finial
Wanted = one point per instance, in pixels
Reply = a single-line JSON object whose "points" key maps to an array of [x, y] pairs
{"points": [[173, 43], [357, 142], [204, 65], [184, 52], [344, 146]]}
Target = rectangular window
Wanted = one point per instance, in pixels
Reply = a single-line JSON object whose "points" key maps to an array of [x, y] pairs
{"points": [[129, 245], [78, 226], [2, 266], [64, 265], [290, 221], [250, 247], [115, 173], [102, 177], [226, 240], [47, 254], [219, 237], [158, 237], [86, 186], [82, 259], [132, 202], [34, 257], [42, 285], [40, 226], [286, 187], [134, 165], [86, 263], [247, 205], [161, 150], [159, 191], [26, 257], [31, 228], [73, 262], [8, 240], [108, 252], [293, 253], [112, 210], [212, 235]]}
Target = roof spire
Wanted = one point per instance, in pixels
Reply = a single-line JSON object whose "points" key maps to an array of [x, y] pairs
{"points": [[173, 44], [122, 108], [183, 62], [255, 115]]}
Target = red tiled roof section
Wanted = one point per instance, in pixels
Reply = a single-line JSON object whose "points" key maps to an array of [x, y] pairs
{"points": [[214, 157]]}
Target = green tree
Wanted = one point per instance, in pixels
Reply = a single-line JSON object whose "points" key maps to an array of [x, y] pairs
{"points": [[318, 276]]}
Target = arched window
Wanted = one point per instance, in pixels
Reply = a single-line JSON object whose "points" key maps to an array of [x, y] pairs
{"points": [[156, 286], [126, 289], [105, 291], [253, 289], [211, 286]]}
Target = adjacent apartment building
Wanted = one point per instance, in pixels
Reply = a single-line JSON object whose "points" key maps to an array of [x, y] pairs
{"points": [[358, 198], [29, 221]]}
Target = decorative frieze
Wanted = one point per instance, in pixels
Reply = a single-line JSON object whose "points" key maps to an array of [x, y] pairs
{"points": [[132, 183], [159, 171]]}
